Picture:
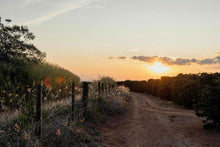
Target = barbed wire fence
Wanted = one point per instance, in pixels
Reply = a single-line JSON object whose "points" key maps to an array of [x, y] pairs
{"points": [[77, 112]]}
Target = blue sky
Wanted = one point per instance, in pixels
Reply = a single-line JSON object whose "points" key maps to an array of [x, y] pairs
{"points": [[87, 32]]}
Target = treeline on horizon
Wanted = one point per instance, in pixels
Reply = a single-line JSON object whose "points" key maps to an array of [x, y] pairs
{"points": [[200, 92]]}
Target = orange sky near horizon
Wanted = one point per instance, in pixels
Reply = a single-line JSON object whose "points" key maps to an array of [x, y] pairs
{"points": [[93, 68]]}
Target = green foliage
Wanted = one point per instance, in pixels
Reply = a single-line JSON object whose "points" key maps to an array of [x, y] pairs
{"points": [[107, 80], [22, 68], [17, 89], [208, 104], [16, 47]]}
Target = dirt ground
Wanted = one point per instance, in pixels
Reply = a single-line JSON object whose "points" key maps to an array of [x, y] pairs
{"points": [[151, 121]]}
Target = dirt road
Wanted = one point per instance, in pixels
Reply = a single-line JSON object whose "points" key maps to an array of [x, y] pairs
{"points": [[151, 121]]}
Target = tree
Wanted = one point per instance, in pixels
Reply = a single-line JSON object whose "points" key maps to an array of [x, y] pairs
{"points": [[208, 104], [17, 55], [15, 46]]}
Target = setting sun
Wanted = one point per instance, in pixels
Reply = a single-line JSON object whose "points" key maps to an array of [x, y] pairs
{"points": [[158, 68]]}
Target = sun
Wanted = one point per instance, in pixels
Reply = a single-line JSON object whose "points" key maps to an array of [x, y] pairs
{"points": [[158, 68]]}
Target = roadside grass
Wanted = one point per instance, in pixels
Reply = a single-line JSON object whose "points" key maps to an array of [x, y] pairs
{"points": [[60, 130], [18, 83]]}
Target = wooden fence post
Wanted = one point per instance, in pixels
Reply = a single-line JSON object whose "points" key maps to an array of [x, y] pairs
{"points": [[109, 88], [99, 87], [85, 96], [102, 87], [73, 101], [38, 129], [106, 90], [113, 87]]}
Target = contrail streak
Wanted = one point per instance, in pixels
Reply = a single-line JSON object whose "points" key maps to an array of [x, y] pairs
{"points": [[59, 12]]}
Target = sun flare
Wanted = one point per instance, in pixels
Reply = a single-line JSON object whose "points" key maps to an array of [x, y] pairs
{"points": [[158, 68]]}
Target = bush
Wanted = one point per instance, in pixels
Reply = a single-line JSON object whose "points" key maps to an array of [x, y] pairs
{"points": [[208, 104], [22, 68]]}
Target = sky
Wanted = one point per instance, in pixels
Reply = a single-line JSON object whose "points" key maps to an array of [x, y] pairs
{"points": [[123, 38]]}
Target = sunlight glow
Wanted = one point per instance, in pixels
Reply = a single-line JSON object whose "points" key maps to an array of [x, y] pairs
{"points": [[158, 68]]}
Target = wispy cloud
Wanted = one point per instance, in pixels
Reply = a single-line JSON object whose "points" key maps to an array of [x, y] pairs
{"points": [[210, 61], [122, 57], [111, 58], [145, 58], [174, 61], [66, 9]]}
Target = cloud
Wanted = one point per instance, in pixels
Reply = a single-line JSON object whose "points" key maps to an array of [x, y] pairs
{"points": [[111, 58], [169, 60], [174, 61], [145, 58], [164, 60], [210, 61], [122, 57], [70, 7], [206, 61]]}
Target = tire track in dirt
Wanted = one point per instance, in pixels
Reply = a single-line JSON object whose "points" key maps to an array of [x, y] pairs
{"points": [[147, 123], [149, 105]]}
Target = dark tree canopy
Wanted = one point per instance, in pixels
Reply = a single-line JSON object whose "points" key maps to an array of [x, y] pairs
{"points": [[15, 45], [199, 91]]}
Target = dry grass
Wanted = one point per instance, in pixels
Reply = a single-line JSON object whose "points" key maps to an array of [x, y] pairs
{"points": [[58, 129]]}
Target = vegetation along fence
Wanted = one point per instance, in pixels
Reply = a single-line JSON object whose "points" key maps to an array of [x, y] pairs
{"points": [[39, 114], [106, 88]]}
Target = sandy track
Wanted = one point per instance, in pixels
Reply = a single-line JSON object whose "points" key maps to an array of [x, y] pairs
{"points": [[151, 121]]}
